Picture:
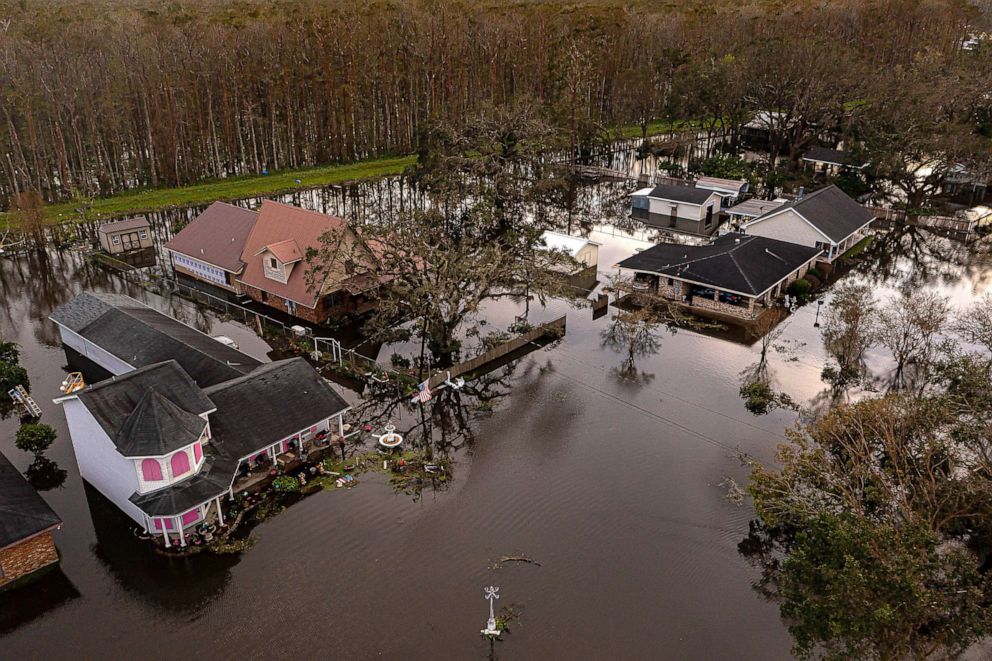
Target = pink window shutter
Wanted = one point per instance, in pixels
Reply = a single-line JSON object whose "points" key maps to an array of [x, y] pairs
{"points": [[180, 463]]}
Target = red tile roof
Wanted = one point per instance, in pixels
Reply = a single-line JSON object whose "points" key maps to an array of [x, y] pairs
{"points": [[278, 224], [217, 236]]}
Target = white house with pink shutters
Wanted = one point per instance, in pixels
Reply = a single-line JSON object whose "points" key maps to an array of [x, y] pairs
{"points": [[164, 448]]}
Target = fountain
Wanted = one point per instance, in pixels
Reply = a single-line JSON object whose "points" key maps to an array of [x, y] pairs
{"points": [[390, 439]]}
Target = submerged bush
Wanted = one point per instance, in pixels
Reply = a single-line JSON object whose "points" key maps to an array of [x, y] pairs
{"points": [[801, 289], [286, 483]]}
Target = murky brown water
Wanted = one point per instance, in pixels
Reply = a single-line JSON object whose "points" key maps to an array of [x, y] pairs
{"points": [[612, 485]]}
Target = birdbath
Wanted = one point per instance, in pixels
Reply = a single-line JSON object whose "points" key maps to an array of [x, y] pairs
{"points": [[390, 439]]}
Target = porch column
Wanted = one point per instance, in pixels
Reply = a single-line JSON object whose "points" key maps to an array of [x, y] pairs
{"points": [[148, 527], [220, 514], [179, 527], [340, 425], [165, 533]]}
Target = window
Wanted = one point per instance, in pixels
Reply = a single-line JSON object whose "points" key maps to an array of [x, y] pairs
{"points": [[674, 214], [167, 524], [197, 452], [151, 471], [273, 264], [116, 239], [265, 297], [191, 517], [143, 234], [709, 215], [180, 464], [640, 202]]}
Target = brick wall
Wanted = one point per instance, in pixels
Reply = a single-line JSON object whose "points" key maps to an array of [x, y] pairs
{"points": [[28, 556], [313, 316]]}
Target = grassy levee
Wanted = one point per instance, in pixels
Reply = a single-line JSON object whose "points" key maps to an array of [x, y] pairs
{"points": [[231, 188], [236, 188]]}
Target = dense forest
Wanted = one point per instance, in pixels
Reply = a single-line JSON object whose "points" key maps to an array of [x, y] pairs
{"points": [[103, 96]]}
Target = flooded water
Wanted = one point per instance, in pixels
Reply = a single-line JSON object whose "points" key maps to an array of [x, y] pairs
{"points": [[609, 478]]}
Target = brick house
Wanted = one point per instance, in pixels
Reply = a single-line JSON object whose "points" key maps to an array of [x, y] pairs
{"points": [[26, 525], [275, 258], [737, 276]]}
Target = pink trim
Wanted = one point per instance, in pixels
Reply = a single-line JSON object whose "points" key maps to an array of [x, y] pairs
{"points": [[197, 452], [180, 463], [191, 516], [151, 471]]}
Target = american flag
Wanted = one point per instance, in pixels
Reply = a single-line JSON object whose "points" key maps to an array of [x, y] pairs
{"points": [[425, 392]]}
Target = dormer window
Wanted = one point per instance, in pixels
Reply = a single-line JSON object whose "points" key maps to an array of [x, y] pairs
{"points": [[273, 264]]}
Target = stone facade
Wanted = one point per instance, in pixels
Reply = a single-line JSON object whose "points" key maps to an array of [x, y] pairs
{"points": [[749, 312], [28, 556]]}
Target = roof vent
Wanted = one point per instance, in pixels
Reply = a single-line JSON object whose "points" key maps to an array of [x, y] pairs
{"points": [[737, 242], [201, 251]]}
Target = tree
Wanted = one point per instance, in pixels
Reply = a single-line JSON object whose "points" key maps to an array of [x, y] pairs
{"points": [[872, 528], [849, 330], [975, 323], [12, 375], [34, 437], [473, 242], [633, 332], [908, 327]]}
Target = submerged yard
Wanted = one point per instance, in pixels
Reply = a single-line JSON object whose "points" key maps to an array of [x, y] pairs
{"points": [[608, 472]]}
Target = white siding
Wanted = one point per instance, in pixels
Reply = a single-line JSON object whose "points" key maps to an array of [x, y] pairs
{"points": [[202, 270], [101, 357], [588, 255], [787, 226], [99, 462]]}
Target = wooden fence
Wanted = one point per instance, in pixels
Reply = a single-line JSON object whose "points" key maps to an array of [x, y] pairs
{"points": [[957, 224], [554, 328]]}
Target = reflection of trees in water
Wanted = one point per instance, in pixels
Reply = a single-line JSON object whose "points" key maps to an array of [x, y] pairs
{"points": [[634, 333], [45, 475], [909, 256]]}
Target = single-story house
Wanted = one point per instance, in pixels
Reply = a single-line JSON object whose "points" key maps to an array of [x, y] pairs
{"points": [[831, 161], [275, 272], [166, 441], [827, 219], [26, 526], [737, 276], [686, 209], [123, 236], [729, 190], [207, 252]]}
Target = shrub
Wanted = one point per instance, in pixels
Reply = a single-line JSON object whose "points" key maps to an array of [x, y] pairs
{"points": [[34, 437], [814, 281], [816, 273], [286, 483], [12, 375], [801, 289]]}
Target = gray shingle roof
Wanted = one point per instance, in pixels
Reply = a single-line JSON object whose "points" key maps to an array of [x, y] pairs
{"points": [[745, 264], [688, 194], [272, 403], [115, 402], [157, 426], [141, 336], [23, 512], [829, 210]]}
